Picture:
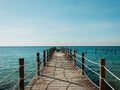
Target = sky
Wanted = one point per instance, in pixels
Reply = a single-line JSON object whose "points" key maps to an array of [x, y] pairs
{"points": [[59, 22]]}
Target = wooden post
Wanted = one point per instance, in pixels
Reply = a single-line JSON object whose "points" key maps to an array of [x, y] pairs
{"points": [[47, 55], [102, 74], [82, 63], [38, 64], [70, 54], [44, 56], [65, 50], [74, 57], [21, 74], [67, 53]]}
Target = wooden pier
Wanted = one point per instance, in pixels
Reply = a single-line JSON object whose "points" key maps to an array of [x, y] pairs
{"points": [[59, 73]]}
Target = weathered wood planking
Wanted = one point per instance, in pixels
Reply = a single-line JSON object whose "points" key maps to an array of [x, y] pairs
{"points": [[60, 74]]}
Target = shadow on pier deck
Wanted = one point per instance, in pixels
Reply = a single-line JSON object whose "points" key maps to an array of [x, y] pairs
{"points": [[59, 73]]}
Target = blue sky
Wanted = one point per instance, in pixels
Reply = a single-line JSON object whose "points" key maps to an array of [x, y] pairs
{"points": [[59, 22]]}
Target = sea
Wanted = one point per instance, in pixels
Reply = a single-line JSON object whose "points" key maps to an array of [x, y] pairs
{"points": [[9, 59]]}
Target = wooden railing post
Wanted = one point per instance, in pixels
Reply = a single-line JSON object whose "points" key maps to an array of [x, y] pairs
{"points": [[50, 52], [82, 63], [74, 57], [38, 63], [47, 55], [44, 58], [102, 74], [70, 54], [65, 50], [21, 73], [67, 53]]}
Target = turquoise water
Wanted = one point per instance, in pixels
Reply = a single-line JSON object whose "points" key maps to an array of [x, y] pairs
{"points": [[9, 62]]}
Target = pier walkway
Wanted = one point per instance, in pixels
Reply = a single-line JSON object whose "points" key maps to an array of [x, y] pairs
{"points": [[60, 74]]}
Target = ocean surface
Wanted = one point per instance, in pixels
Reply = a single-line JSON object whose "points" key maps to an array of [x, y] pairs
{"points": [[9, 63]]}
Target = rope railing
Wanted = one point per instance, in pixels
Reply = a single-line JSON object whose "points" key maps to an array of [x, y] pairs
{"points": [[112, 73], [91, 70], [99, 74], [77, 58], [9, 75], [29, 73], [29, 64], [80, 59], [108, 84], [92, 61], [91, 81], [15, 86], [78, 55]]}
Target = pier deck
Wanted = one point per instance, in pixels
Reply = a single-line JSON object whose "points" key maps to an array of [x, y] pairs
{"points": [[60, 74]]}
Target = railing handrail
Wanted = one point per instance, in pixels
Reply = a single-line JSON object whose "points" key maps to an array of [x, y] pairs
{"points": [[104, 67]]}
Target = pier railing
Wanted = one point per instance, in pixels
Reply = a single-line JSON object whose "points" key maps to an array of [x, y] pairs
{"points": [[46, 57], [81, 59]]}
